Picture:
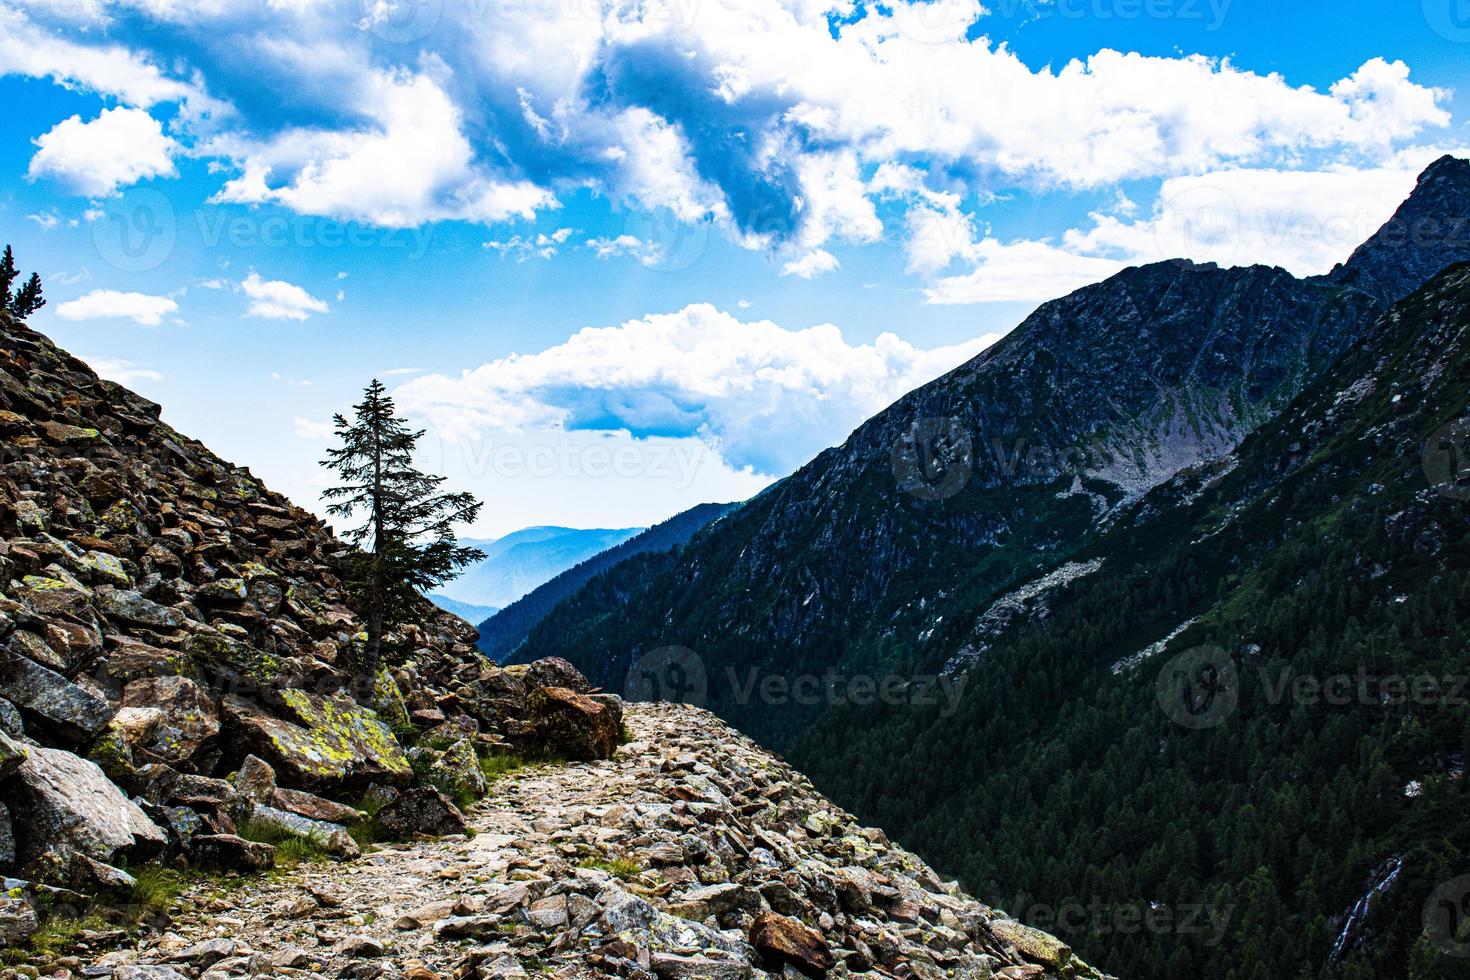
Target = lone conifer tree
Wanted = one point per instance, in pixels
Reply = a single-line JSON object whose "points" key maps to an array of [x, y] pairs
{"points": [[406, 544]]}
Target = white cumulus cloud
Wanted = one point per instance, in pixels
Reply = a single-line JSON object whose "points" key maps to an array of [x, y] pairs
{"points": [[812, 264], [274, 299], [765, 118], [765, 397], [1305, 221], [110, 304], [117, 149], [124, 372]]}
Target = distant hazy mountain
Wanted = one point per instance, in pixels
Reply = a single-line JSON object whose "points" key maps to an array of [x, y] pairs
{"points": [[523, 560], [467, 611], [501, 632]]}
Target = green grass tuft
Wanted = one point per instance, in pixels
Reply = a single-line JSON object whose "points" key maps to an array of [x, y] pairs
{"points": [[291, 849], [621, 868], [157, 888]]}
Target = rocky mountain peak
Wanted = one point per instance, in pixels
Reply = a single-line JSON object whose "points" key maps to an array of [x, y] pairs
{"points": [[1429, 232]]}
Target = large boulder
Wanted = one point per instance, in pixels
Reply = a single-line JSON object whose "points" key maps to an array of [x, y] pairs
{"points": [[227, 852], [784, 941], [421, 810], [569, 725], [323, 744], [457, 772], [63, 709], [255, 780], [64, 805], [1033, 944], [556, 672], [189, 719], [634, 920], [313, 807], [124, 606]]}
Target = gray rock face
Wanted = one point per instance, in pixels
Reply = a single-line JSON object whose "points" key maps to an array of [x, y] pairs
{"points": [[422, 810], [130, 607], [71, 713], [64, 805], [227, 852], [7, 838], [17, 921], [189, 717], [322, 744], [457, 772], [256, 780]]}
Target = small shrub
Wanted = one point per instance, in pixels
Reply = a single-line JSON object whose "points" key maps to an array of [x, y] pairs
{"points": [[291, 849], [366, 832], [496, 764], [622, 868], [58, 935], [157, 888]]}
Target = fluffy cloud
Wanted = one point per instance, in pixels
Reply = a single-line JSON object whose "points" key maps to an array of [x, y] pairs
{"points": [[411, 164], [812, 264], [26, 48], [118, 148], [1023, 271], [109, 304], [276, 300], [122, 371], [764, 397], [1304, 221], [760, 115]]}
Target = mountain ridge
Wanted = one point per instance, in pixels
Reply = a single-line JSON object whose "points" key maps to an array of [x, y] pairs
{"points": [[824, 569], [1329, 549]]}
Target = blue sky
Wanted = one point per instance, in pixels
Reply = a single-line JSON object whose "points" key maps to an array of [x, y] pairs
{"points": [[621, 258]]}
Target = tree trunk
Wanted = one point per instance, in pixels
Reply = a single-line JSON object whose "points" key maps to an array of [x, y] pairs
{"points": [[372, 654]]}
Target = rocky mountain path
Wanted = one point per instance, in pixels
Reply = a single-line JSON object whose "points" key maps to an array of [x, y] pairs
{"points": [[693, 853]]}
